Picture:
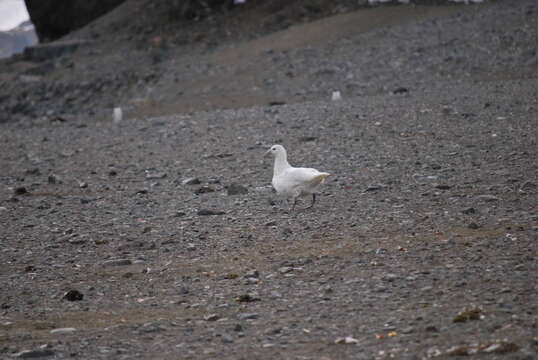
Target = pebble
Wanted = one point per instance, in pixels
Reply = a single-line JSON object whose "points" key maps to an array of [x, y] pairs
{"points": [[117, 262], [248, 316], [205, 212], [468, 211], [191, 181], [204, 190], [153, 175], [63, 331], [488, 198], [73, 295], [34, 354], [473, 226], [52, 179], [236, 189], [211, 317], [20, 190]]}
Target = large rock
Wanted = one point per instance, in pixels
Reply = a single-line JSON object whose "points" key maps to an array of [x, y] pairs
{"points": [[54, 19]]}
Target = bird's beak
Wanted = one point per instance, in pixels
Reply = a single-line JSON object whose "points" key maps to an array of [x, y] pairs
{"points": [[267, 153]]}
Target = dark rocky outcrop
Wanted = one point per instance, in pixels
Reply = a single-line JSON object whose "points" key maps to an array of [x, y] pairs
{"points": [[54, 19]]}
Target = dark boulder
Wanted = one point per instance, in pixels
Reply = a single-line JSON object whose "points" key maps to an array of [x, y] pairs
{"points": [[54, 19]]}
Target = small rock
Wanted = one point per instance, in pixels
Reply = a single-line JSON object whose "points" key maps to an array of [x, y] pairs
{"points": [[191, 181], [248, 316], [285, 269], [20, 190], [205, 212], [271, 223], [204, 190], [408, 330], [458, 351], [236, 189], [63, 331], [431, 328], [400, 90], [502, 347], [83, 185], [191, 247], [252, 274], [34, 354], [374, 187], [153, 175], [488, 198], [442, 186], [473, 226], [346, 340], [247, 298], [73, 295], [34, 171], [52, 179], [112, 173], [211, 317], [117, 262], [470, 314], [468, 211], [307, 138]]}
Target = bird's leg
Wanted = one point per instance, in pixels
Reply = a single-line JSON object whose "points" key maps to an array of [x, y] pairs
{"points": [[313, 201], [294, 203]]}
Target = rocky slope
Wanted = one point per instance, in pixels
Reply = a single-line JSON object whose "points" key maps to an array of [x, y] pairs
{"points": [[138, 240]]}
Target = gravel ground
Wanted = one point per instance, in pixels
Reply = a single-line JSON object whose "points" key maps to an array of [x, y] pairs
{"points": [[160, 237]]}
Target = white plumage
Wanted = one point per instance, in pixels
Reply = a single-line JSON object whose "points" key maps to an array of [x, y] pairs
{"points": [[291, 182]]}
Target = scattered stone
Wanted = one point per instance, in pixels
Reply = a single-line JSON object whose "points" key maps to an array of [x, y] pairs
{"points": [[205, 212], [30, 268], [400, 90], [307, 138], [528, 185], [408, 330], [271, 223], [374, 187], [52, 179], [246, 298], [211, 317], [473, 226], [73, 295], [348, 340], [63, 331], [151, 328], [153, 175], [248, 316], [470, 314], [117, 262], [20, 190], [191, 181], [236, 189], [458, 351], [431, 328], [468, 211], [34, 354], [502, 347], [112, 173], [442, 186], [285, 269], [34, 171], [191, 247], [488, 198], [204, 190], [252, 274], [83, 185]]}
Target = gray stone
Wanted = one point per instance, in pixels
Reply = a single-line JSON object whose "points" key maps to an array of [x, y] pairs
{"points": [[191, 181], [488, 198], [247, 316], [236, 189], [34, 354], [48, 51], [117, 262], [63, 331]]}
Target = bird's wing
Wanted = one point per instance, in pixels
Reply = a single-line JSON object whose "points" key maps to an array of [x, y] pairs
{"points": [[303, 176]]}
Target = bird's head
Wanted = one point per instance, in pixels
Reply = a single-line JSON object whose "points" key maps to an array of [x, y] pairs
{"points": [[275, 150]]}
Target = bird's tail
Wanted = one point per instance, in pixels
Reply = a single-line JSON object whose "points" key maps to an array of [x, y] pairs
{"points": [[320, 178]]}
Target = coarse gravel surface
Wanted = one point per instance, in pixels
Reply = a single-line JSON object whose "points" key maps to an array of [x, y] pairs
{"points": [[138, 240]]}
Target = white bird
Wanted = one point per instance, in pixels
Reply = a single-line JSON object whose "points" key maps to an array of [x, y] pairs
{"points": [[292, 182]]}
